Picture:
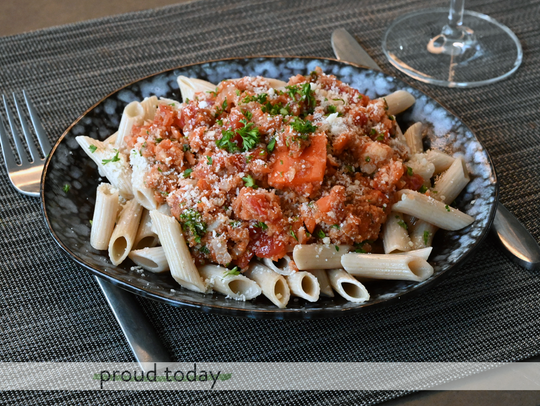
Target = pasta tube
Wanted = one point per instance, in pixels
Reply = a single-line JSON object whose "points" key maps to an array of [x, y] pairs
{"points": [[318, 256], [382, 266], [181, 263], [347, 286], [124, 233], [421, 253], [133, 114], [190, 86], [452, 182], [152, 259], [305, 285], [396, 237], [146, 237], [324, 282], [413, 137], [105, 213], [273, 285], [399, 101], [440, 160], [237, 287], [111, 163], [143, 194], [430, 210], [282, 266]]}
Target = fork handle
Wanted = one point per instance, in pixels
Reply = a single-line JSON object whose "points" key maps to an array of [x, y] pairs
{"points": [[139, 332]]}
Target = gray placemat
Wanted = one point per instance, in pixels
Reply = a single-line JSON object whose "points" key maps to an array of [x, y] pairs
{"points": [[51, 310]]}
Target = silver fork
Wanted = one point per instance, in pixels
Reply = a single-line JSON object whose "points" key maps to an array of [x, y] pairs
{"points": [[26, 178]]}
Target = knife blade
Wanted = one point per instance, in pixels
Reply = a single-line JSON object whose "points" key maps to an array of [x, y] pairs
{"points": [[507, 230]]}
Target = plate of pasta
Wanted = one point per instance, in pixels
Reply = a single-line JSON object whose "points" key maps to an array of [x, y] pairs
{"points": [[276, 187]]}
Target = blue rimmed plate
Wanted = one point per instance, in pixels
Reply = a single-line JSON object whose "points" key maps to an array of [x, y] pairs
{"points": [[68, 214]]}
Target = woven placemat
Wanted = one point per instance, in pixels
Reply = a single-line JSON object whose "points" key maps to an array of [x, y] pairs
{"points": [[51, 310]]}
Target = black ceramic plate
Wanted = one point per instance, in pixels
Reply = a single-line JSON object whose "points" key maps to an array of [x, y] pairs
{"points": [[68, 214]]}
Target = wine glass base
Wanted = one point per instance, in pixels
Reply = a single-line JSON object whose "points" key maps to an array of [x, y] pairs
{"points": [[488, 52]]}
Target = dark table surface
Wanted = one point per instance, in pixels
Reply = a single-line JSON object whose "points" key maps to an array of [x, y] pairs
{"points": [[51, 310]]}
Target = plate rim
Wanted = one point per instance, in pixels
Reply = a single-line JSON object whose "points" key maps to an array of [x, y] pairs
{"points": [[277, 313]]}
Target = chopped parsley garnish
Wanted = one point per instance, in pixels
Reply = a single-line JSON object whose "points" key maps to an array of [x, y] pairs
{"points": [[331, 109], [293, 234], [66, 188], [321, 234], [385, 104], [380, 137], [423, 189], [92, 148], [261, 225], [237, 92], [158, 140], [212, 92], [209, 160], [391, 117], [292, 91], [91, 222], [186, 147], [308, 96], [336, 247], [232, 272], [409, 171], [221, 109], [368, 159], [187, 172], [358, 248], [447, 208], [373, 131], [248, 159], [336, 226], [249, 134], [426, 237], [271, 145], [204, 249], [261, 98], [113, 159], [401, 223], [249, 182], [235, 223], [247, 114], [301, 126], [220, 122], [192, 221], [341, 100], [226, 142]]}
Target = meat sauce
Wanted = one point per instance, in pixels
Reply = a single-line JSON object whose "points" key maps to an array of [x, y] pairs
{"points": [[250, 170]]}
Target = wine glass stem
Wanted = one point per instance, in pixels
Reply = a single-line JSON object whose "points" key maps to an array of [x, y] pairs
{"points": [[455, 17]]}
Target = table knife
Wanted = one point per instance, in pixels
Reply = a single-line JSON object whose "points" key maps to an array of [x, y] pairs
{"points": [[519, 244]]}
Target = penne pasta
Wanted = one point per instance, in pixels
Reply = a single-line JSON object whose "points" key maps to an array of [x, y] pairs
{"points": [[421, 166], [133, 114], [413, 137], [324, 282], [111, 163], [347, 286], [395, 235], [146, 236], [430, 210], [181, 264], [382, 266], [422, 234], [399, 101], [273, 285], [190, 86], [235, 286], [452, 182], [124, 233], [421, 253], [105, 212], [152, 259], [140, 167], [440, 160], [318, 256], [281, 267], [305, 285]]}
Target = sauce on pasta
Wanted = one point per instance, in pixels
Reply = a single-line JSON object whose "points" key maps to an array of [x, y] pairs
{"points": [[250, 170]]}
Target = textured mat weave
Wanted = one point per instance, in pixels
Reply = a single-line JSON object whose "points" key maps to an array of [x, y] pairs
{"points": [[50, 310]]}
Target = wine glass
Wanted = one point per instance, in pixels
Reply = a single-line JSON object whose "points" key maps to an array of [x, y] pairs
{"points": [[455, 48]]}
